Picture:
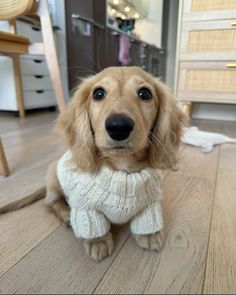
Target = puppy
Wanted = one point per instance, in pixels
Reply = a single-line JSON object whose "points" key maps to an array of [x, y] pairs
{"points": [[121, 122]]}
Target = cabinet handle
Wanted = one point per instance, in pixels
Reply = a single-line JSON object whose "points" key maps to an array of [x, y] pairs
{"points": [[38, 61], [38, 76], [40, 91], [233, 24], [36, 29], [233, 65]]}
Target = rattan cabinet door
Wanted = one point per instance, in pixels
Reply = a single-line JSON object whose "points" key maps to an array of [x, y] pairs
{"points": [[206, 51], [212, 40], [206, 82], [200, 10]]}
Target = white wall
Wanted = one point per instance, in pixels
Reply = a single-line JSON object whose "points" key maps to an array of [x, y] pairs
{"points": [[149, 29], [155, 9]]}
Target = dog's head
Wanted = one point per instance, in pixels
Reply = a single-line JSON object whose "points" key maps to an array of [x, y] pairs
{"points": [[122, 110]]}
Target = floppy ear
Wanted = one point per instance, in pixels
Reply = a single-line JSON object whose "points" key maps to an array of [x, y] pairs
{"points": [[166, 134], [74, 125]]}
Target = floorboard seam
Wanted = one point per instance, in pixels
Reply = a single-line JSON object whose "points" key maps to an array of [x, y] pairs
{"points": [[26, 254], [212, 214], [125, 241]]}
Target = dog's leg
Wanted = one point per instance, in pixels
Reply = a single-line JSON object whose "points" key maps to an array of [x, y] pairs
{"points": [[99, 248], [54, 195], [147, 227], [152, 242], [94, 227]]}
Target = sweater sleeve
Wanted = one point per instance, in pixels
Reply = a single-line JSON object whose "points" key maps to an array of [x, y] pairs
{"points": [[148, 221], [89, 224]]}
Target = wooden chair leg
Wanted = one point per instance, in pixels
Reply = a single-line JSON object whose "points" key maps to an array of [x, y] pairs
{"points": [[17, 76], [51, 53], [4, 169], [18, 84]]}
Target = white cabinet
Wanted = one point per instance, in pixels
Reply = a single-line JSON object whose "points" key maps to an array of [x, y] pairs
{"points": [[36, 82], [33, 66], [31, 32], [37, 87], [206, 59]]}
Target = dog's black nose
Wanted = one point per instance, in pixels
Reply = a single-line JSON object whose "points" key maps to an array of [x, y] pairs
{"points": [[119, 126]]}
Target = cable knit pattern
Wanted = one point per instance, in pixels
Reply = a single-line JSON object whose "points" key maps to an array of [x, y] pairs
{"points": [[111, 196]]}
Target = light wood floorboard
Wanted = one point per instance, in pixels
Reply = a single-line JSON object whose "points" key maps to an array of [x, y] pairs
{"points": [[221, 260], [59, 265], [38, 255], [30, 146], [21, 231], [193, 162], [181, 265]]}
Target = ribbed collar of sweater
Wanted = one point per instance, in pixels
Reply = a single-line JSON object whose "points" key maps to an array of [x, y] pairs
{"points": [[114, 181], [124, 183]]}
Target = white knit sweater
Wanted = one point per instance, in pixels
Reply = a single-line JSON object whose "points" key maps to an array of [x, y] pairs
{"points": [[111, 196]]}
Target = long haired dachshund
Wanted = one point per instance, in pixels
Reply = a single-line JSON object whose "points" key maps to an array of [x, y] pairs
{"points": [[122, 118]]}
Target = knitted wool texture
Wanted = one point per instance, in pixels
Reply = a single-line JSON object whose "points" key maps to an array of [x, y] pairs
{"points": [[111, 196]]}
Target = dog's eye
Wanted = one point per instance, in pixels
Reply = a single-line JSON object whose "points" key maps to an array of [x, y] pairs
{"points": [[99, 93], [144, 93]]}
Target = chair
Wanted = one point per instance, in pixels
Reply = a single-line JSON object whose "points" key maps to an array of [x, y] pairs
{"points": [[4, 170], [13, 45]]}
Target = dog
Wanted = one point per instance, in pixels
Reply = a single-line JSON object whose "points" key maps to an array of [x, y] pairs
{"points": [[124, 119]]}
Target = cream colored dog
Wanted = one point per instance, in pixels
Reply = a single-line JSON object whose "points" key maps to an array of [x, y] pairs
{"points": [[125, 119]]}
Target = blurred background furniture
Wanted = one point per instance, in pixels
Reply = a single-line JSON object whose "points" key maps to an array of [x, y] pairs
{"points": [[206, 55], [93, 24], [13, 45]]}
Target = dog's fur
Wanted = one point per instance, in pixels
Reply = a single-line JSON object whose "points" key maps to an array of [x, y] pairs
{"points": [[153, 142]]}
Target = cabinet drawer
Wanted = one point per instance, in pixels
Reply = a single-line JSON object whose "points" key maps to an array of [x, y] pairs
{"points": [[206, 82], [200, 10], [33, 66], [39, 99], [33, 33], [208, 41], [36, 82]]}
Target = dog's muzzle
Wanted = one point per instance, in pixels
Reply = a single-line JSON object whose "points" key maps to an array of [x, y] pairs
{"points": [[119, 126]]}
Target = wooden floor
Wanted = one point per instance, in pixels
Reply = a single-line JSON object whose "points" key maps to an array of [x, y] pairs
{"points": [[39, 255], [30, 146]]}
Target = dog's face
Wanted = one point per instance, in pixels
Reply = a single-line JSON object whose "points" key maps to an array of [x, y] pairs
{"points": [[122, 110]]}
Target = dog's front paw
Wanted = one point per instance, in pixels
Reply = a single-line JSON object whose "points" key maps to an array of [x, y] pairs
{"points": [[99, 248], [151, 242]]}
